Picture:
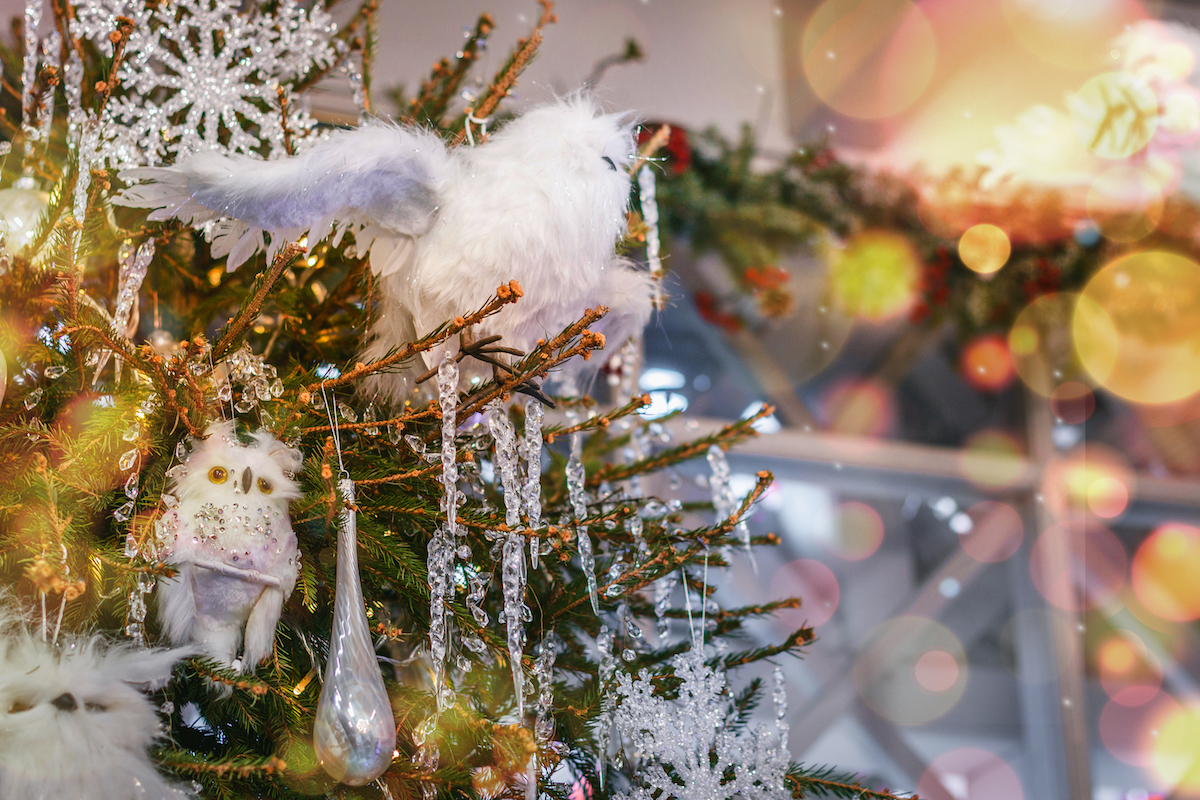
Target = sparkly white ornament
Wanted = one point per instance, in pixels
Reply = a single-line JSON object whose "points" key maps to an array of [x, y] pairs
{"points": [[576, 480], [686, 746], [210, 67], [231, 540], [354, 734]]}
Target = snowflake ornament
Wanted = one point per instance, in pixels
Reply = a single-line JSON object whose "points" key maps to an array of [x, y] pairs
{"points": [[688, 748], [200, 75]]}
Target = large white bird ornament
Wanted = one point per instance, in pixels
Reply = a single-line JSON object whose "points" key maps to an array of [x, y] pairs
{"points": [[231, 540], [541, 201], [74, 719]]}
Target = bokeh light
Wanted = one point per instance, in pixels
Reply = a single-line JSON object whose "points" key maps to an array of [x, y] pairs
{"points": [[859, 408], [1175, 753], [868, 60], [975, 774], [1166, 572], [996, 532], [858, 531], [992, 460], [1137, 327], [1078, 564], [1092, 478], [815, 585], [1115, 114], [986, 363], [1072, 35], [1129, 732], [1040, 343], [875, 276], [887, 676], [1129, 672], [984, 248], [936, 671], [1072, 402], [1125, 203]]}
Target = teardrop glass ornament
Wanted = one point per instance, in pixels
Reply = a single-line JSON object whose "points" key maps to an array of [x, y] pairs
{"points": [[355, 732]]}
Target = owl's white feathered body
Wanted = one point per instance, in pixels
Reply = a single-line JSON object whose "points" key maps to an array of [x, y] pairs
{"points": [[74, 722], [231, 540], [542, 201]]}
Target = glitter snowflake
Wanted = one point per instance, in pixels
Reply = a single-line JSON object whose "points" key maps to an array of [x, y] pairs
{"points": [[689, 750], [200, 75]]}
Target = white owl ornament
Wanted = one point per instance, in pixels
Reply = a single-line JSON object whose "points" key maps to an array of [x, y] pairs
{"points": [[231, 540], [74, 721]]}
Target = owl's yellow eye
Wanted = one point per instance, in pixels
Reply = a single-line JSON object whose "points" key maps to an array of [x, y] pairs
{"points": [[265, 486], [218, 474]]}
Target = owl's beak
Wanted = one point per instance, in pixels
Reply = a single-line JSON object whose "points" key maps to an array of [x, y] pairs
{"points": [[247, 476]]}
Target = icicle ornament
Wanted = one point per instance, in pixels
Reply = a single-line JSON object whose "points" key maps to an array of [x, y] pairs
{"points": [[576, 479], [531, 451], [441, 547], [512, 559], [355, 733], [647, 193], [723, 499]]}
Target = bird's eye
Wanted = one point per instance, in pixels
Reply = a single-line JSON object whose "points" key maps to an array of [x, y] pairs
{"points": [[218, 474], [95, 707], [17, 707], [610, 163], [265, 486]]}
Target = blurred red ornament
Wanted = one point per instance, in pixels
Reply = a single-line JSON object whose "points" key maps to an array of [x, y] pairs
{"points": [[710, 312], [766, 277], [987, 364]]}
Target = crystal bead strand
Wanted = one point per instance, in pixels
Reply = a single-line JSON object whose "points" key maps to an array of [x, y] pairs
{"points": [[52, 57], [531, 451], [664, 587], [575, 485], [33, 18], [512, 562], [441, 546], [608, 665]]}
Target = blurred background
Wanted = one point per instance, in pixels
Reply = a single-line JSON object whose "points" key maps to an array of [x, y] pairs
{"points": [[986, 486], [956, 252]]}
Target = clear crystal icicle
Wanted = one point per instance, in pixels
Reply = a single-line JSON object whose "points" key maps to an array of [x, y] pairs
{"points": [[724, 501], [354, 734], [608, 665], [576, 479], [531, 451], [441, 545], [512, 560], [33, 18]]}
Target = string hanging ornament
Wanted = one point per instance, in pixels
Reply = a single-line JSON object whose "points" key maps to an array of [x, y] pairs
{"points": [[355, 733]]}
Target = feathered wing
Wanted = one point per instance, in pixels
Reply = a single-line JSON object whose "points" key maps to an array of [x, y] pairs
{"points": [[382, 176], [260, 628]]}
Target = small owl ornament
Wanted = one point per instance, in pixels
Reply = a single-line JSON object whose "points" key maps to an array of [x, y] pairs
{"points": [[74, 721], [231, 540]]}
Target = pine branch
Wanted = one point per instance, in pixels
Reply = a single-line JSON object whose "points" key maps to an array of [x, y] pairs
{"points": [[230, 336], [829, 783]]}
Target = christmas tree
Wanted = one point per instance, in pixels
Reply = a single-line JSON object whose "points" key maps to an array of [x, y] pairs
{"points": [[488, 594]]}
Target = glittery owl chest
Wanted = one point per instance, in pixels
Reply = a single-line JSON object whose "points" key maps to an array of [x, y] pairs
{"points": [[242, 533]]}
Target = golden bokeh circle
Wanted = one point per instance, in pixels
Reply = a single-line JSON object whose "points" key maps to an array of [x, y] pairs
{"points": [[1166, 572], [1173, 751], [875, 276], [1137, 327], [1114, 114], [1039, 342], [868, 60], [984, 248], [1125, 203]]}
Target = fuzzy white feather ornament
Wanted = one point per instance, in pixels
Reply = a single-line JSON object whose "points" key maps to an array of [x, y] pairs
{"points": [[74, 722], [542, 201], [232, 542]]}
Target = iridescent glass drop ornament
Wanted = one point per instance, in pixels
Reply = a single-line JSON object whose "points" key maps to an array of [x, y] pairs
{"points": [[355, 733]]}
